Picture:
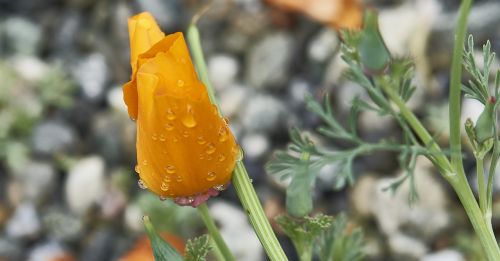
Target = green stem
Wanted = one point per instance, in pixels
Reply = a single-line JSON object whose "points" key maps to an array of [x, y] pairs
{"points": [[193, 35], [481, 186], [457, 180], [241, 181], [214, 233], [456, 86], [250, 202]]}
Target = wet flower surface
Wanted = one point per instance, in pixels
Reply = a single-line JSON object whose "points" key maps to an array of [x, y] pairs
{"points": [[185, 150]]}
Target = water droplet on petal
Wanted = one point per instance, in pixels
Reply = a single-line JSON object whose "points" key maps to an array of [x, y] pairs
{"points": [[211, 176], [202, 156], [170, 169], [210, 148], [162, 137], [185, 134], [200, 140], [170, 114], [169, 126], [154, 137], [189, 120], [163, 198], [220, 187], [178, 178], [167, 179], [221, 157], [144, 162], [223, 134], [226, 121], [137, 169], [180, 83], [141, 184], [133, 119], [175, 139], [164, 186]]}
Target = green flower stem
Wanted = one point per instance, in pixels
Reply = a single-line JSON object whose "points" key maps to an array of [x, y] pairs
{"points": [[456, 179], [456, 86], [251, 204], [481, 186], [214, 233], [193, 35], [241, 181]]}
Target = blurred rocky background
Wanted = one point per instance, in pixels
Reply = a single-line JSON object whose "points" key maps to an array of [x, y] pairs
{"points": [[67, 186]]}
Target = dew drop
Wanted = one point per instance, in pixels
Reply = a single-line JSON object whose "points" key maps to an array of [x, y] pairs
{"points": [[190, 200], [211, 176], [210, 148], [209, 158], [169, 126], [180, 83], [185, 134], [178, 178], [189, 120], [167, 179], [163, 198], [144, 162], [200, 140], [239, 153], [202, 156], [226, 121], [175, 139], [133, 119], [222, 134], [221, 157], [141, 184], [220, 187], [162, 137], [170, 169], [154, 137], [137, 169], [170, 114], [164, 186]]}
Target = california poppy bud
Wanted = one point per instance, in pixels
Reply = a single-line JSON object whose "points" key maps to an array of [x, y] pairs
{"points": [[185, 150], [484, 124], [372, 50]]}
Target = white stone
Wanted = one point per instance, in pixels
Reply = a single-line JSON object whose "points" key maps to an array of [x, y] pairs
{"points": [[85, 184], [263, 113], [408, 246], [255, 145], [24, 223], [429, 215], [133, 218], [115, 99], [222, 69], [47, 251], [444, 255], [91, 73], [323, 45], [268, 61], [233, 99], [236, 231], [29, 67]]}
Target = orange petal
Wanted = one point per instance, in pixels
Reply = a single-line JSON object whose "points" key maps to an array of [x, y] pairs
{"points": [[143, 33], [183, 146]]}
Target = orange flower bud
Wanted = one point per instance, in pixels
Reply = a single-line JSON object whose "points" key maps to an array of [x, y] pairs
{"points": [[185, 150]]}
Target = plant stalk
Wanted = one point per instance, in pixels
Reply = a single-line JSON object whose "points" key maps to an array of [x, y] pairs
{"points": [[456, 179], [241, 181], [213, 231]]}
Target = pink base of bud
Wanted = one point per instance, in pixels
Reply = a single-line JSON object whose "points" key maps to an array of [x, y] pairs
{"points": [[197, 200]]}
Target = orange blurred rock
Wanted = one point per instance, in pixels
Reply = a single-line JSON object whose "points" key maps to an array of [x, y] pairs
{"points": [[336, 13], [142, 250]]}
